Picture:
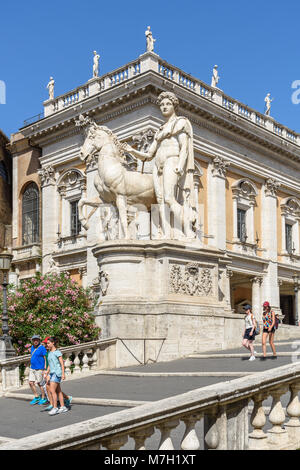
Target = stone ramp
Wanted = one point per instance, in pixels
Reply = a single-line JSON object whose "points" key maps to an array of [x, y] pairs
{"points": [[111, 391]]}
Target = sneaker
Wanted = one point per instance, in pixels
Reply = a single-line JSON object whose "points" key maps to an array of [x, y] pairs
{"points": [[63, 409], [35, 401], [53, 412], [49, 408], [43, 401], [252, 358], [68, 401]]}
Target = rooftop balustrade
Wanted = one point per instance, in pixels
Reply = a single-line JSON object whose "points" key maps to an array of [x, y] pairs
{"points": [[152, 62]]}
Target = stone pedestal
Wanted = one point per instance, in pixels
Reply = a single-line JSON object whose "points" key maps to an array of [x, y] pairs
{"points": [[168, 293]]}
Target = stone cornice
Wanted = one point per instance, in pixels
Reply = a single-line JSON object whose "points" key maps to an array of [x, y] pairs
{"points": [[201, 106], [136, 98]]}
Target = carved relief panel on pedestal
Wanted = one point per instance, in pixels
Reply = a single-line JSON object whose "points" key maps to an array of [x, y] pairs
{"points": [[191, 279]]}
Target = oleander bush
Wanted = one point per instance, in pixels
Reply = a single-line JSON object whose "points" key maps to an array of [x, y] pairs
{"points": [[50, 305]]}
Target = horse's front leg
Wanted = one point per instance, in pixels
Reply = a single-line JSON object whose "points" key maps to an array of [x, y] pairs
{"points": [[121, 202], [95, 203]]}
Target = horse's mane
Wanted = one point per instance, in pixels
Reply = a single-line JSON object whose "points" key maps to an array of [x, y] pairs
{"points": [[113, 137]]}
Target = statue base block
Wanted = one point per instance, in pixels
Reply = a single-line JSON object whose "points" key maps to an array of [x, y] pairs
{"points": [[165, 299]]}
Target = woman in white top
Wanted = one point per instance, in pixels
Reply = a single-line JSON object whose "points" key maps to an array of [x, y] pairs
{"points": [[249, 332]]}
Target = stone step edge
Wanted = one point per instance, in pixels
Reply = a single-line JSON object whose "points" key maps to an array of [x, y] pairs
{"points": [[83, 401], [175, 374], [233, 355]]}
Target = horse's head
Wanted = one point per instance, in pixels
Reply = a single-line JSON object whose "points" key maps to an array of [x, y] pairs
{"points": [[95, 137]]}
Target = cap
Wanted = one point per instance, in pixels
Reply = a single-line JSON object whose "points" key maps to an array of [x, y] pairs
{"points": [[46, 339], [35, 337], [266, 304], [247, 307]]}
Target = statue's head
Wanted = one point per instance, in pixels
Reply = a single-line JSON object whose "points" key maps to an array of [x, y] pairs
{"points": [[168, 102]]}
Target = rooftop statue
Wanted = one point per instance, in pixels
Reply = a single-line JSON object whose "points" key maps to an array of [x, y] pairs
{"points": [[172, 151], [268, 101], [50, 87], [215, 77], [96, 64], [150, 40]]}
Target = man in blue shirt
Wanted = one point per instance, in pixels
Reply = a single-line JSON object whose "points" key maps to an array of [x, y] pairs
{"points": [[37, 367]]}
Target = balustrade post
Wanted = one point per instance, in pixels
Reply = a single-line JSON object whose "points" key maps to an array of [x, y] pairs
{"points": [[26, 374], [190, 439], [211, 433], [258, 439], [94, 364], [140, 437], [293, 410], [77, 362], [176, 76], [277, 436], [115, 443], [166, 429], [85, 362], [68, 364]]}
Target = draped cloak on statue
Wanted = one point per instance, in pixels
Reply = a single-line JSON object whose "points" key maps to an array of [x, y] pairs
{"points": [[186, 182]]}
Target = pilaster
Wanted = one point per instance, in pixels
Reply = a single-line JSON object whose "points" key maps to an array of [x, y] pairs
{"points": [[217, 202], [270, 288], [49, 211]]}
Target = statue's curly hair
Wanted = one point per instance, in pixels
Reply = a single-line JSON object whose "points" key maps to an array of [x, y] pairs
{"points": [[171, 96]]}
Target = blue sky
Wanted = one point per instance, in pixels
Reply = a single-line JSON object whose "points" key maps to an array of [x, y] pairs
{"points": [[255, 44]]}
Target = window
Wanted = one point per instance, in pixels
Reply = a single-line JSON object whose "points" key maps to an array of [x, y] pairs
{"points": [[289, 238], [3, 171], [30, 215], [75, 222], [241, 225]]}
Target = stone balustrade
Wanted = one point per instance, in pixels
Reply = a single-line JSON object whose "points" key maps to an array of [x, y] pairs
{"points": [[152, 62], [27, 252], [221, 409], [70, 242], [79, 359]]}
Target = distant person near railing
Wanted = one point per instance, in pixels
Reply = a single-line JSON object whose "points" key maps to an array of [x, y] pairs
{"points": [[37, 367], [249, 332], [269, 326], [55, 374]]}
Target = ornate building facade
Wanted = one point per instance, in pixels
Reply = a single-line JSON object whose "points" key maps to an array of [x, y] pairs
{"points": [[247, 185]]}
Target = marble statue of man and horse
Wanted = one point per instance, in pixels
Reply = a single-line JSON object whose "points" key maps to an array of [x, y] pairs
{"points": [[170, 184]]}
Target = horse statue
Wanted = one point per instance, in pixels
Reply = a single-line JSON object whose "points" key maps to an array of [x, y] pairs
{"points": [[114, 183]]}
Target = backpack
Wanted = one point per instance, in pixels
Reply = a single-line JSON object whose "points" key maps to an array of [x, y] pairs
{"points": [[257, 329]]}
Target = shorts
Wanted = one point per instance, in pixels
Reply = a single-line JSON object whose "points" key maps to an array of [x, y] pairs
{"points": [[265, 330], [55, 378], [247, 334], [36, 375]]}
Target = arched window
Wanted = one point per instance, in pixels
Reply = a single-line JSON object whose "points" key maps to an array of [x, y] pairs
{"points": [[30, 215]]}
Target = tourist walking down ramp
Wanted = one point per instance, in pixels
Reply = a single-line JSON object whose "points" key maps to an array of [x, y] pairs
{"points": [[37, 368], [67, 398], [249, 332], [269, 326], [55, 374]]}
